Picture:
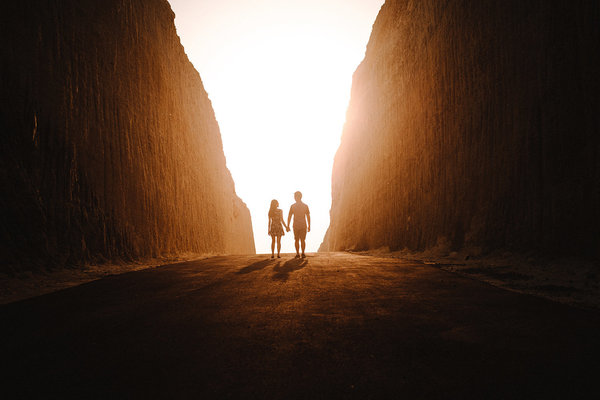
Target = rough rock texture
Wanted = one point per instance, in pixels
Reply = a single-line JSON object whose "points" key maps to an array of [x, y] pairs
{"points": [[473, 123], [110, 148]]}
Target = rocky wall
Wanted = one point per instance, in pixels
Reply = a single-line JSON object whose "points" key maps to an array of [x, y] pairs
{"points": [[473, 124], [110, 148]]}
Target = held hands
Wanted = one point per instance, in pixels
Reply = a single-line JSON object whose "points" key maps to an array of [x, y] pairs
{"points": [[287, 228]]}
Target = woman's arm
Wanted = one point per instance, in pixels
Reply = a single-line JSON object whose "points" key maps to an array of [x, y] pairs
{"points": [[283, 221], [269, 225]]}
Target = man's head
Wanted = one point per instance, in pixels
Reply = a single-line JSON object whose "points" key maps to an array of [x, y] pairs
{"points": [[298, 196]]}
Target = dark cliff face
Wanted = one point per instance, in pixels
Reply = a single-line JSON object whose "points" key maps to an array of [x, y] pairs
{"points": [[110, 148], [473, 124]]}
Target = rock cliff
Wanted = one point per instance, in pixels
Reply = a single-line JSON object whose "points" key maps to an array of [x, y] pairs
{"points": [[110, 148], [473, 124]]}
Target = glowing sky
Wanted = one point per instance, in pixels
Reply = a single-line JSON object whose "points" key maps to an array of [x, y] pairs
{"points": [[278, 73]]}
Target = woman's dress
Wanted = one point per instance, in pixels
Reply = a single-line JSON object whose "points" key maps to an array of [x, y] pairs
{"points": [[276, 227]]}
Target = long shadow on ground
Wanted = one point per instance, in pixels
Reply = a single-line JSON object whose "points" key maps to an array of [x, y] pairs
{"points": [[282, 272], [256, 266]]}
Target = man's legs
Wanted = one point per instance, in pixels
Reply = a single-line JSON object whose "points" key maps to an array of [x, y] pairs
{"points": [[303, 246], [297, 246]]}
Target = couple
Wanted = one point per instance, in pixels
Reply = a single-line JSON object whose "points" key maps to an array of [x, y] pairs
{"points": [[301, 215]]}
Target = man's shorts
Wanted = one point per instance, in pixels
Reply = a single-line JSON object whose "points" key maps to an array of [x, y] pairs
{"points": [[300, 233]]}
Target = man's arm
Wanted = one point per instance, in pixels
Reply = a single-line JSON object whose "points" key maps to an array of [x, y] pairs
{"points": [[308, 218], [290, 217]]}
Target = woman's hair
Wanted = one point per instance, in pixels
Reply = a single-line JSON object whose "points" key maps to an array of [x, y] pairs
{"points": [[274, 204]]}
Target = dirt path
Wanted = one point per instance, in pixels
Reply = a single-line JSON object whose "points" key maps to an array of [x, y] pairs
{"points": [[330, 326]]}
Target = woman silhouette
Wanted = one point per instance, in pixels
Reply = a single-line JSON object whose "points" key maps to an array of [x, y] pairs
{"points": [[275, 227]]}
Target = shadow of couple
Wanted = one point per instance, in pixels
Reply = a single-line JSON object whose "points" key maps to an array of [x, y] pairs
{"points": [[282, 271]]}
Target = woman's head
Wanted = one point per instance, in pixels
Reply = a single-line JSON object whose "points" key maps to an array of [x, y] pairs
{"points": [[274, 205]]}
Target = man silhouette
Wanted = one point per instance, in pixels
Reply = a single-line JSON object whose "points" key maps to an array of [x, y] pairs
{"points": [[301, 215]]}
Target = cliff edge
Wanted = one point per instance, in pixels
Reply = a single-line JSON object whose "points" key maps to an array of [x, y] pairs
{"points": [[110, 147], [473, 125]]}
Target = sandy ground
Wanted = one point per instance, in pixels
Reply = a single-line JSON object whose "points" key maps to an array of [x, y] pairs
{"points": [[570, 281], [31, 284], [331, 326]]}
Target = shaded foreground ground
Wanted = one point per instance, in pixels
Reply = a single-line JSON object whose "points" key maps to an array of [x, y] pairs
{"points": [[330, 326], [573, 280], [21, 285]]}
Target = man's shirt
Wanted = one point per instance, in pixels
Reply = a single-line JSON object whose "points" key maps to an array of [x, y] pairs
{"points": [[299, 211]]}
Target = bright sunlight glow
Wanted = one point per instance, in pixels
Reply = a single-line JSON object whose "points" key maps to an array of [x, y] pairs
{"points": [[278, 73]]}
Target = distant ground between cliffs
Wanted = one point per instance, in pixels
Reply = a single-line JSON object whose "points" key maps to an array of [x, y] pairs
{"points": [[570, 281]]}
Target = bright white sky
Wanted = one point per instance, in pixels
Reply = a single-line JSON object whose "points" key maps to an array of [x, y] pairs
{"points": [[278, 73]]}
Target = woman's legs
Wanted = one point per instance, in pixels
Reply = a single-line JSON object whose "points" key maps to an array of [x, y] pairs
{"points": [[272, 246], [278, 245]]}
